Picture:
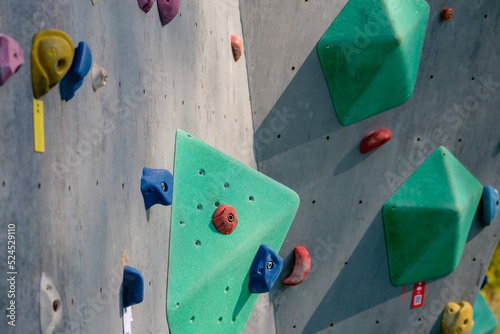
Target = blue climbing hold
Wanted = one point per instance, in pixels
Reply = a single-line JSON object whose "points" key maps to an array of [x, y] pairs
{"points": [[265, 269], [133, 286], [82, 62], [156, 186], [490, 204], [485, 281]]}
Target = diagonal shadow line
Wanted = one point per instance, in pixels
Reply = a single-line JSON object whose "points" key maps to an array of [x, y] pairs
{"points": [[359, 275], [303, 113]]}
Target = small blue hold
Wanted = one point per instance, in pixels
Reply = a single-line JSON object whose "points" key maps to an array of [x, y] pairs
{"points": [[157, 186], [265, 269], [485, 281], [82, 61], [133, 286], [490, 204]]}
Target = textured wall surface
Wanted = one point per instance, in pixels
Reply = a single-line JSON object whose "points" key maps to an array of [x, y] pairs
{"points": [[78, 207], [299, 142], [78, 210]]}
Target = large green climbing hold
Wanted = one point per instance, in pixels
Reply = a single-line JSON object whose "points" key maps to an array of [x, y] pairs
{"points": [[485, 321], [370, 55], [428, 219], [208, 271]]}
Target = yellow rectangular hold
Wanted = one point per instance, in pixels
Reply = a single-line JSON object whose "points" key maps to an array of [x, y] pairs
{"points": [[38, 133]]}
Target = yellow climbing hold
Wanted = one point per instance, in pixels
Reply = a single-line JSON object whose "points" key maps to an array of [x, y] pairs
{"points": [[457, 318], [51, 57]]}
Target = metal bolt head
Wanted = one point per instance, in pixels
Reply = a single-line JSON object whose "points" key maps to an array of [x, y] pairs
{"points": [[270, 265]]}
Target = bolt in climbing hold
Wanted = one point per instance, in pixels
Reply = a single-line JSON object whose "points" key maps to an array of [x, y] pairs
{"points": [[11, 57], [225, 219], [237, 46], [374, 140], [51, 56], [457, 318], [265, 269], [133, 287], [447, 13], [99, 77], [168, 9], [82, 61], [301, 267], [490, 203], [50, 305], [146, 5], [156, 187]]}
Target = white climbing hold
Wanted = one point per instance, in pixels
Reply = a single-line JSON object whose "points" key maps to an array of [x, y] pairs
{"points": [[99, 77], [51, 308]]}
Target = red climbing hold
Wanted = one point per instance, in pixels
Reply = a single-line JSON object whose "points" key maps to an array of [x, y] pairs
{"points": [[168, 9], [301, 268], [375, 140], [447, 14], [225, 219], [237, 47], [146, 5]]}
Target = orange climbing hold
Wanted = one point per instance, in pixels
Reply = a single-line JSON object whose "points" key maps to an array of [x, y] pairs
{"points": [[301, 267], [374, 140], [225, 219], [447, 14], [237, 46]]}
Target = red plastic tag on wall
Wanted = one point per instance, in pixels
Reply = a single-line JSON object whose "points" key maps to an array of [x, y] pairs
{"points": [[417, 299]]}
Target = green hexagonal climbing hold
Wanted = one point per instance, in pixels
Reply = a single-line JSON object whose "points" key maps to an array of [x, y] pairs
{"points": [[428, 219], [370, 55]]}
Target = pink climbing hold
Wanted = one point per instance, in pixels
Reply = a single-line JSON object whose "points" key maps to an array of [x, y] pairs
{"points": [[146, 5], [11, 57], [237, 47], [168, 9], [301, 267], [374, 140]]}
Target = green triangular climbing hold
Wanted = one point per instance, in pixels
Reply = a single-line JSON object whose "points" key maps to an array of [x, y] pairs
{"points": [[370, 55], [428, 219], [485, 321], [208, 271]]}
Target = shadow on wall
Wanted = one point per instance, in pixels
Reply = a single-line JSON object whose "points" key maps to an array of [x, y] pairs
{"points": [[302, 113], [337, 304]]}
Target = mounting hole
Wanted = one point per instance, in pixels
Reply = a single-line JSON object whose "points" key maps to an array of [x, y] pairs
{"points": [[226, 185], [331, 325], [313, 202], [189, 136], [182, 223], [294, 326], [55, 305], [60, 65], [360, 202], [472, 79], [250, 198], [233, 320], [327, 46], [418, 139], [164, 186], [217, 204], [327, 137], [376, 322], [279, 136], [260, 271], [346, 263], [201, 172], [444, 154], [226, 289], [485, 16], [293, 68], [432, 76], [199, 207], [220, 319], [466, 321], [197, 243], [474, 260], [149, 190], [192, 319]]}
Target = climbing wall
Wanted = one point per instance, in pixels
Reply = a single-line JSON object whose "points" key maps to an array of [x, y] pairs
{"points": [[77, 208], [299, 141]]}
